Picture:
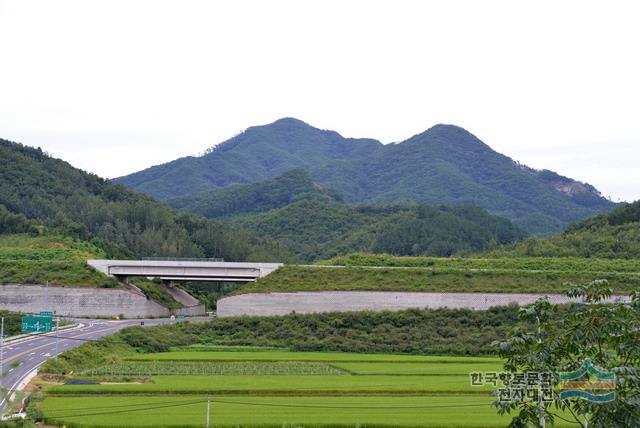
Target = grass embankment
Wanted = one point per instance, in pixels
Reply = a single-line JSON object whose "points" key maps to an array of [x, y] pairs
{"points": [[156, 291], [52, 259], [387, 273], [553, 264], [401, 391], [62, 261]]}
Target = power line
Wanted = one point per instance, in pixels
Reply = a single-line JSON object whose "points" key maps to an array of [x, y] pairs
{"points": [[255, 404], [111, 412]]}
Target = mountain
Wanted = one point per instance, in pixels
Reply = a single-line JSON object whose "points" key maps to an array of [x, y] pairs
{"points": [[259, 153], [445, 165], [38, 192], [613, 236], [448, 165], [292, 186], [315, 229]]}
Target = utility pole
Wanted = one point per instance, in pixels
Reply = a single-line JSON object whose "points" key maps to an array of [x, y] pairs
{"points": [[542, 420], [1, 351], [57, 334], [208, 411]]}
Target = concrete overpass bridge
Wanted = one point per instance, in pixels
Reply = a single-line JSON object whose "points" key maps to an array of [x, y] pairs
{"points": [[185, 270]]}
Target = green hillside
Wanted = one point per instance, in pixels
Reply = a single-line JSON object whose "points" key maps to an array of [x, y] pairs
{"points": [[259, 153], [614, 236], [445, 165], [313, 229], [36, 188], [262, 196]]}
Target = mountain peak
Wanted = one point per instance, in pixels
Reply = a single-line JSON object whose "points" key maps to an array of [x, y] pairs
{"points": [[451, 132], [290, 121]]}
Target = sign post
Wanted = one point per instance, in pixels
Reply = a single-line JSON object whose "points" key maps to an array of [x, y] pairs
{"points": [[1, 351]]}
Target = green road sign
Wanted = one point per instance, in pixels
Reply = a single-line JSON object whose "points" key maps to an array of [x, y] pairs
{"points": [[180, 317], [46, 313], [36, 324]]}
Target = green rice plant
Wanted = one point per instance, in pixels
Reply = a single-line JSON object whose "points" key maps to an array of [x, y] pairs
{"points": [[271, 412], [207, 368]]}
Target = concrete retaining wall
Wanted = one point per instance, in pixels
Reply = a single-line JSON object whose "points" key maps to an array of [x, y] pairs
{"points": [[190, 311], [80, 302], [264, 304]]}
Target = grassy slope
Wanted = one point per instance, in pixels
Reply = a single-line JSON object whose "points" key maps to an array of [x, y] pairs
{"points": [[564, 264], [443, 276], [54, 259]]}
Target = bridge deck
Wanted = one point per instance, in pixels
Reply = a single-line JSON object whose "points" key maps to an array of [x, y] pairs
{"points": [[185, 269]]}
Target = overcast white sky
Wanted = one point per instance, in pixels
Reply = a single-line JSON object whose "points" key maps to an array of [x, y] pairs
{"points": [[117, 86]]}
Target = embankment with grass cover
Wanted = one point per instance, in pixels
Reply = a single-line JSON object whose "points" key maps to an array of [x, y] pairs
{"points": [[61, 261], [426, 274], [53, 259]]}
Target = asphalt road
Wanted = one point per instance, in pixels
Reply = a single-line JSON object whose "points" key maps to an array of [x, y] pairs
{"points": [[20, 359]]}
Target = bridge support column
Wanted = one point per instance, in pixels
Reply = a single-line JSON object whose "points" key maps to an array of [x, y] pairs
{"points": [[122, 278]]}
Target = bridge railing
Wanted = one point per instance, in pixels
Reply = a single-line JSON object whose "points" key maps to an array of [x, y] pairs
{"points": [[182, 259]]}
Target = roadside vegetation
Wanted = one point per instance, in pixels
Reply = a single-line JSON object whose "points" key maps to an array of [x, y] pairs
{"points": [[12, 322], [460, 332]]}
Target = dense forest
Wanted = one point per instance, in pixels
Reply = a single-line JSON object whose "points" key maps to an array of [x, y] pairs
{"points": [[614, 236], [445, 165], [313, 229], [38, 189], [292, 186]]}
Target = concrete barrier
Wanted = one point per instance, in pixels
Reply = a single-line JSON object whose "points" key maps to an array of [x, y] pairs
{"points": [[266, 304], [79, 302]]}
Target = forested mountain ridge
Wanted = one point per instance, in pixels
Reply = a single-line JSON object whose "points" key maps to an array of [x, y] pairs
{"points": [[448, 165], [613, 236], [292, 186], [315, 229], [445, 165], [259, 153], [36, 189]]}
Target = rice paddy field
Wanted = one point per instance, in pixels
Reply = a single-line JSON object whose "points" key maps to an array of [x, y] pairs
{"points": [[277, 388]]}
